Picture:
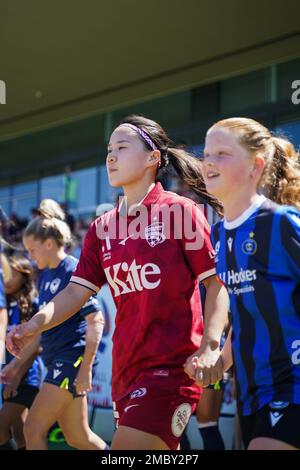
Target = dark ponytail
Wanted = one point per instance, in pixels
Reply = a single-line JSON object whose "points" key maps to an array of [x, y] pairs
{"points": [[186, 166], [188, 169], [27, 292]]}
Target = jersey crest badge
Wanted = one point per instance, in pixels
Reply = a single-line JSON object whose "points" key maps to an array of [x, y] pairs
{"points": [[154, 234], [249, 246], [55, 285]]}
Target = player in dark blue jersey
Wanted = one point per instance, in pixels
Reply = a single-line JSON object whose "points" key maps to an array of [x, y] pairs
{"points": [[3, 324], [69, 349], [22, 376], [3, 312], [257, 248]]}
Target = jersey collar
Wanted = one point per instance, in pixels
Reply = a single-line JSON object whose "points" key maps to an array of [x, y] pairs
{"points": [[245, 215], [150, 198]]}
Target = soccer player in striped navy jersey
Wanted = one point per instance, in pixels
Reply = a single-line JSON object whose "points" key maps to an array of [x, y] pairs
{"points": [[152, 270], [257, 248]]}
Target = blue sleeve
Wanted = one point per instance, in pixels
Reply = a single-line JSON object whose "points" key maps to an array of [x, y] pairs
{"points": [[2, 293], [212, 236], [35, 307], [290, 239], [91, 306]]}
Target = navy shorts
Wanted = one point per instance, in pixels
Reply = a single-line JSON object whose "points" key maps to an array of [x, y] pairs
{"points": [[63, 372], [25, 395], [277, 420]]}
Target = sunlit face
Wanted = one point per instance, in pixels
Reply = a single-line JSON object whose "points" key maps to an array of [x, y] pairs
{"points": [[227, 164], [15, 283], [38, 251], [126, 160]]}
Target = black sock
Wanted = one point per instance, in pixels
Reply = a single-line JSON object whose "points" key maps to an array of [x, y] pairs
{"points": [[212, 439], [184, 442], [9, 445]]}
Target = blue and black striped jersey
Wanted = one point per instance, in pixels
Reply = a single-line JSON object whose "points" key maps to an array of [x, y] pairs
{"points": [[258, 259]]}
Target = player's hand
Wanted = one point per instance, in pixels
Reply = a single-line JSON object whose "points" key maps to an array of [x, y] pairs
{"points": [[8, 373], [210, 369], [83, 381], [10, 390], [20, 337], [205, 367], [190, 366]]}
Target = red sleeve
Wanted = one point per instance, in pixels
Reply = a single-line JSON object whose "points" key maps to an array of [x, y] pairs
{"points": [[196, 242], [89, 272]]}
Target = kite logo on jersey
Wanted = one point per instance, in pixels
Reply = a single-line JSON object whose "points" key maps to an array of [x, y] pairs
{"points": [[180, 419], [154, 234], [138, 277], [54, 285]]}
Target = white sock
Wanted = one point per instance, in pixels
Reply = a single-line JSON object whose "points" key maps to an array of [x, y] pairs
{"points": [[207, 425]]}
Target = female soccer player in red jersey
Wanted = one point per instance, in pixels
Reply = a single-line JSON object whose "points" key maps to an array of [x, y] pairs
{"points": [[151, 250]]}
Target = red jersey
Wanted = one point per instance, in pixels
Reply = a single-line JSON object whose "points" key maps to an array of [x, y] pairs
{"points": [[153, 278]]}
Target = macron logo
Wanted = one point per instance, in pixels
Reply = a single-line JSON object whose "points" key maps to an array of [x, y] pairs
{"points": [[125, 279], [275, 417], [56, 373]]}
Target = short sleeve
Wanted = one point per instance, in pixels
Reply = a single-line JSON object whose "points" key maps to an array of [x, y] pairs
{"points": [[91, 306], [290, 241], [2, 293], [197, 246], [89, 272], [34, 307]]}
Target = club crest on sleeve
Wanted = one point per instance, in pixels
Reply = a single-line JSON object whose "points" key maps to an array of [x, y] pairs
{"points": [[154, 234], [54, 285]]}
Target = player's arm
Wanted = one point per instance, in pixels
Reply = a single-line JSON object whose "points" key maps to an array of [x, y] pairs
{"points": [[94, 330], [3, 327], [63, 306], [201, 366], [215, 313], [18, 367], [226, 353]]}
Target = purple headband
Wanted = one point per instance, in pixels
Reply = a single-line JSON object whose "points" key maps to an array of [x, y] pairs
{"points": [[143, 134]]}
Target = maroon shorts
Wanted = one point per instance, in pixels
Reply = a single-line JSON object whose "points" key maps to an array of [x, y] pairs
{"points": [[164, 412]]}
